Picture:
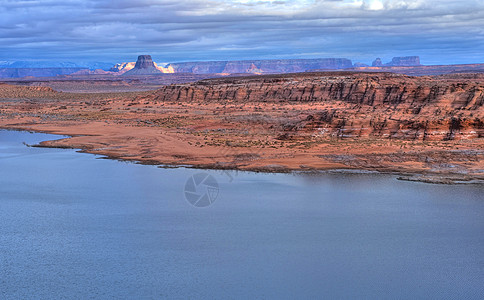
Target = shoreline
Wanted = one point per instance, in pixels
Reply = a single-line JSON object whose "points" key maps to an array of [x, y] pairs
{"points": [[422, 177], [272, 123]]}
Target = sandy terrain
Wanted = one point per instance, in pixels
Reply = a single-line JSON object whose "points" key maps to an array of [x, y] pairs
{"points": [[231, 135]]}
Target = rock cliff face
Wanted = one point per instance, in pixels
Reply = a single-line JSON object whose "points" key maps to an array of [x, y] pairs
{"points": [[144, 66], [345, 105], [144, 62]]}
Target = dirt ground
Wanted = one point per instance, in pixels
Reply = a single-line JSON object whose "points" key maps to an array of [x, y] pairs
{"points": [[244, 136]]}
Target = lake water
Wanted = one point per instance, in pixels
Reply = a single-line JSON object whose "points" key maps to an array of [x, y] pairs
{"points": [[73, 226]]}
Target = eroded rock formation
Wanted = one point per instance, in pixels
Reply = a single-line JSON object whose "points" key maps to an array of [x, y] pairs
{"points": [[144, 66], [354, 105]]}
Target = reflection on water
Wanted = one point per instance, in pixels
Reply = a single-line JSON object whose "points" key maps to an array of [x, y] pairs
{"points": [[74, 226]]}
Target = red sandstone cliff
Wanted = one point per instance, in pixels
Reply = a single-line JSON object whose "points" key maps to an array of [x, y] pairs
{"points": [[355, 105]]}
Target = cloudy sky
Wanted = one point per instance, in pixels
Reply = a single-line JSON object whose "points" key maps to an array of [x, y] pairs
{"points": [[440, 31]]}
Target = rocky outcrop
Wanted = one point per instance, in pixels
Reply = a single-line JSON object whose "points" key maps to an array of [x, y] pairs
{"points": [[144, 62], [8, 91], [354, 105], [144, 66]]}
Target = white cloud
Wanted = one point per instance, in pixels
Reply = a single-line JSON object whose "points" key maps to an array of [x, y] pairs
{"points": [[373, 5], [216, 29]]}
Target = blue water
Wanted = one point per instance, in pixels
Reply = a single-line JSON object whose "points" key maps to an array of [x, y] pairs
{"points": [[73, 226]]}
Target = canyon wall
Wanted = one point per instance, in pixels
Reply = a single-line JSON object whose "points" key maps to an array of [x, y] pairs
{"points": [[345, 105]]}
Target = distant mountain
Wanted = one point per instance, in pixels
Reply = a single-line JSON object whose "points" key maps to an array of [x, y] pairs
{"points": [[424, 70], [96, 65], [122, 68], [261, 66], [145, 66], [22, 64], [360, 65], [37, 72], [245, 66], [377, 63], [405, 61]]}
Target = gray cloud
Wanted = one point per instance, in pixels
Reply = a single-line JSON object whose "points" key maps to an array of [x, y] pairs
{"points": [[439, 31]]}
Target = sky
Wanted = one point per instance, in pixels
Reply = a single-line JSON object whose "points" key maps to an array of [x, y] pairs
{"points": [[439, 31]]}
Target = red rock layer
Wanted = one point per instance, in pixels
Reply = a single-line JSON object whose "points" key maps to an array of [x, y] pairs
{"points": [[25, 92], [355, 105]]}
